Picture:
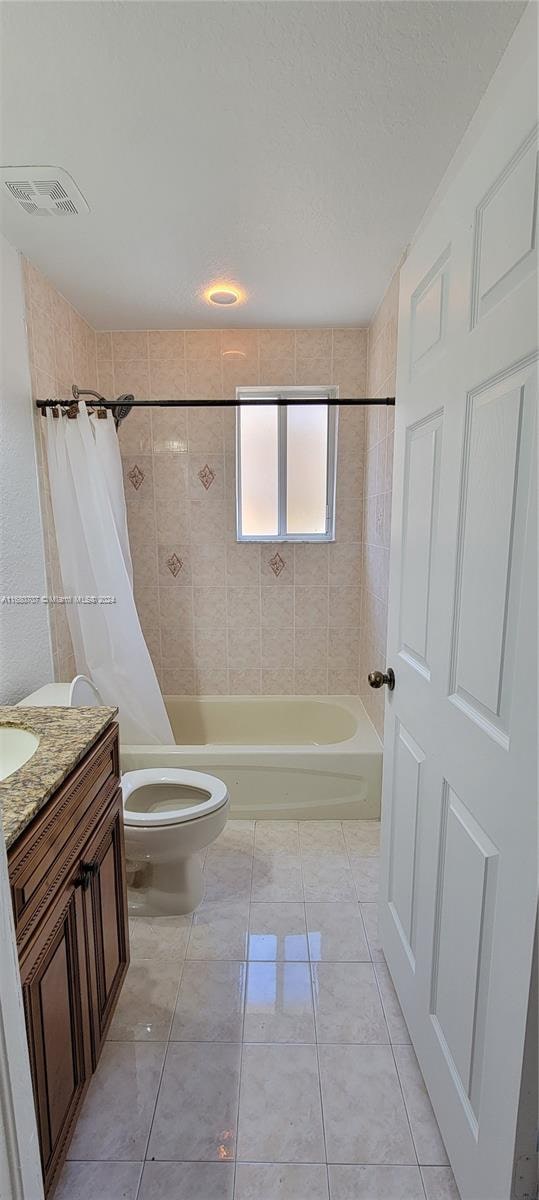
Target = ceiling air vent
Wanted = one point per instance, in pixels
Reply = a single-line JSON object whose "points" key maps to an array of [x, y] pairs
{"points": [[43, 191]]}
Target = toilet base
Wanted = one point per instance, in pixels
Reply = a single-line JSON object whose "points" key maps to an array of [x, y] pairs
{"points": [[170, 889]]}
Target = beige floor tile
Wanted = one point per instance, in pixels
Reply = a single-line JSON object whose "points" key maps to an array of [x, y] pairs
{"points": [[186, 1181], [427, 1137], [325, 880], [220, 930], [366, 876], [196, 1112], [227, 876], [362, 837], [116, 1115], [237, 835], [375, 1183], [440, 1183], [398, 1032], [210, 1002], [347, 1003], [280, 1115], [335, 932], [159, 937], [280, 1181], [277, 835], [279, 1003], [369, 912], [103, 1180], [321, 835], [364, 1116], [277, 932], [146, 1004], [273, 881]]}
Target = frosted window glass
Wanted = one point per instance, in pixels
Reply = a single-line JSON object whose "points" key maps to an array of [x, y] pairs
{"points": [[307, 468], [259, 470]]}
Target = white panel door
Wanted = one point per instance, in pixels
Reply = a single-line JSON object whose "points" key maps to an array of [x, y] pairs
{"points": [[459, 858]]}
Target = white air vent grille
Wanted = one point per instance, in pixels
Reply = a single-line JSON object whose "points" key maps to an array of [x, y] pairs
{"points": [[43, 191]]}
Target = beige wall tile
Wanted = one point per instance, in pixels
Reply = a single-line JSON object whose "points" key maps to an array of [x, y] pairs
{"points": [[129, 347], [314, 356], [311, 563], [311, 607], [211, 681], [166, 345], [277, 606], [277, 646], [277, 681], [244, 683], [203, 364], [167, 379], [277, 357], [239, 357], [169, 430], [277, 563]]}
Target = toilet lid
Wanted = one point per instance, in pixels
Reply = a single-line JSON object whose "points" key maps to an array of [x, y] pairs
{"points": [[187, 808]]}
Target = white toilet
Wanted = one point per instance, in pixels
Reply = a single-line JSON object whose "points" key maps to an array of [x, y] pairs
{"points": [[170, 816]]}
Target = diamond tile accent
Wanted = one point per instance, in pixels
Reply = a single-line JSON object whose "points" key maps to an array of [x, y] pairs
{"points": [[174, 564], [277, 563], [206, 476], [136, 475]]}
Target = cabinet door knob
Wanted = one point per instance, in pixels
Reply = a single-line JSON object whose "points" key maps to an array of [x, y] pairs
{"points": [[87, 872], [378, 678]]}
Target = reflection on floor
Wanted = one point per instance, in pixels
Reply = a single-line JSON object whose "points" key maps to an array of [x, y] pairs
{"points": [[258, 1051]]}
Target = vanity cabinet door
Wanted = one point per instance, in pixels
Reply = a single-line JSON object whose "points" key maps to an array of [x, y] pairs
{"points": [[55, 991], [105, 898]]}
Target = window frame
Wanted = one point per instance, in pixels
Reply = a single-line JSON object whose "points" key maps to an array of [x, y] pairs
{"points": [[331, 394]]}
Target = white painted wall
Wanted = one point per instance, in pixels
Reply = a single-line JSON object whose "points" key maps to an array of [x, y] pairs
{"points": [[25, 644]]}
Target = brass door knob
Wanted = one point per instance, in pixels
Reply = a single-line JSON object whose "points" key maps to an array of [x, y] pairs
{"points": [[378, 678]]}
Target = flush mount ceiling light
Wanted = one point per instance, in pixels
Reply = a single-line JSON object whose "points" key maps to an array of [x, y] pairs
{"points": [[234, 354], [224, 294]]}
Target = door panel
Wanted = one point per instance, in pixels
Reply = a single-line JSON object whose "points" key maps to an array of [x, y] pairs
{"points": [[106, 914], [505, 230], [459, 821], [54, 984], [421, 491], [408, 761], [465, 896]]}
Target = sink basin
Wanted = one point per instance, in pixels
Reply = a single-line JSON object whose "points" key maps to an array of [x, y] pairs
{"points": [[16, 747]]}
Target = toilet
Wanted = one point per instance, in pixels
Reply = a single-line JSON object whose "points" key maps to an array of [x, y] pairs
{"points": [[170, 817]]}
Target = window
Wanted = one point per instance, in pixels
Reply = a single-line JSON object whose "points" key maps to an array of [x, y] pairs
{"points": [[285, 466]]}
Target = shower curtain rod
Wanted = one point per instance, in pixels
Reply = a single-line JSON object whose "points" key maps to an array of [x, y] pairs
{"points": [[129, 402]]}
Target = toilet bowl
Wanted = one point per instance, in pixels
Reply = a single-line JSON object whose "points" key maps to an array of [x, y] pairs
{"points": [[170, 816]]}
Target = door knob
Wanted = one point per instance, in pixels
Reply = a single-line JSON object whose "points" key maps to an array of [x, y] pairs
{"points": [[378, 678]]}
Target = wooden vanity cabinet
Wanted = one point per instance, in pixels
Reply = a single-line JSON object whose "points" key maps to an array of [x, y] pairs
{"points": [[67, 877]]}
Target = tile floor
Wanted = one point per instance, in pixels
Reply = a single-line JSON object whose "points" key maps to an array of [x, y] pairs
{"points": [[258, 1051]]}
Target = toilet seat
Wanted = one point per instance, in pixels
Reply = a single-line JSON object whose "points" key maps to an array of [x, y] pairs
{"points": [[134, 781]]}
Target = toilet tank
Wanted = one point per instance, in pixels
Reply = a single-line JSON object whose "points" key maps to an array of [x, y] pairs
{"points": [[80, 693]]}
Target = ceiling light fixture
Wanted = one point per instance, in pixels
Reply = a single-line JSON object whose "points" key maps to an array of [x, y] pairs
{"points": [[223, 293]]}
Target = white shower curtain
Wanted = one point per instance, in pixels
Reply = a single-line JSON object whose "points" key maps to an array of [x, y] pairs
{"points": [[89, 511]]}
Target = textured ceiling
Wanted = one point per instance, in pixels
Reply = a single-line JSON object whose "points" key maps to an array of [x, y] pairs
{"points": [[291, 147]]}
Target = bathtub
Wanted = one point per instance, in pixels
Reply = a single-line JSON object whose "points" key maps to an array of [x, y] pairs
{"points": [[291, 757]]}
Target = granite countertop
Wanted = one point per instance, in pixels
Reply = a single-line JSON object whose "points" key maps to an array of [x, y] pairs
{"points": [[65, 735]]}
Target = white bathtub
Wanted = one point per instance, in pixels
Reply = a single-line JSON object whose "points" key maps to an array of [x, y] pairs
{"points": [[293, 757]]}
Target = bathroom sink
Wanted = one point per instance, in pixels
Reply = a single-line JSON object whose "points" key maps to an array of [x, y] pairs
{"points": [[16, 747]]}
